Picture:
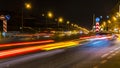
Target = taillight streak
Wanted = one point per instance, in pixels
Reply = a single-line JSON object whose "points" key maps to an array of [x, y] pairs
{"points": [[26, 43]]}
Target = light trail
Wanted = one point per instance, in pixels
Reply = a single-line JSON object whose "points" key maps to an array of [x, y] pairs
{"points": [[25, 50], [25, 43]]}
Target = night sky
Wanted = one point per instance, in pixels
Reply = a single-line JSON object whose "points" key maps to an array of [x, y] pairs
{"points": [[77, 11]]}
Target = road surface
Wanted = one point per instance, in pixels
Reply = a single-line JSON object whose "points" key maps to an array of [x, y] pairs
{"points": [[93, 54]]}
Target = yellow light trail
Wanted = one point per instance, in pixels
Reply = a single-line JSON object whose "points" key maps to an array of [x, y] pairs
{"points": [[25, 50]]}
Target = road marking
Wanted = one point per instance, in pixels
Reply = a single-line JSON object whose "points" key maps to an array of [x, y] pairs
{"points": [[109, 57], [95, 67], [113, 54], [116, 52], [105, 55], [116, 49], [104, 61], [111, 51]]}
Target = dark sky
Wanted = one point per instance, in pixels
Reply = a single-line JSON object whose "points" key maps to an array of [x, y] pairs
{"points": [[77, 11]]}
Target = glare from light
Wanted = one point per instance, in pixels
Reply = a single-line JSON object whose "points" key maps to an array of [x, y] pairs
{"points": [[50, 14], [114, 18], [115, 29], [104, 23], [72, 24], [109, 21], [43, 15], [28, 5], [118, 14], [68, 22], [60, 19]]}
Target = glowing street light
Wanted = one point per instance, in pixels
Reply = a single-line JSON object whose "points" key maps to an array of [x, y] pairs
{"points": [[28, 5], [72, 24], [109, 21], [104, 23], [68, 22], [43, 15], [50, 14], [118, 14], [114, 18], [60, 19]]}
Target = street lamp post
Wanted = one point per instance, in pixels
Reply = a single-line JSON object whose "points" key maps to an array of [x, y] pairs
{"points": [[47, 15], [60, 20], [68, 22], [27, 6]]}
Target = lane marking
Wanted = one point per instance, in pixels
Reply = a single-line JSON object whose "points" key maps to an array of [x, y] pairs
{"points": [[104, 61], [109, 57], [116, 52], [111, 51], [116, 49], [105, 55], [113, 54]]}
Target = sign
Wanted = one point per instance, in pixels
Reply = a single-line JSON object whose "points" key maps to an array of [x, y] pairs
{"points": [[7, 17], [97, 26], [97, 19]]}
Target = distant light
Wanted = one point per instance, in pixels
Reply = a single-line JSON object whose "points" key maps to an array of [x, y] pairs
{"points": [[56, 19], [81, 32], [50, 14], [101, 29], [108, 17], [104, 23], [4, 34], [101, 17], [68, 22], [118, 14], [109, 21], [43, 15], [93, 26], [115, 29], [114, 18], [60, 19], [71, 24]]}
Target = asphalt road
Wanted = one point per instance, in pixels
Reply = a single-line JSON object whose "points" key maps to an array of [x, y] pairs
{"points": [[94, 54]]}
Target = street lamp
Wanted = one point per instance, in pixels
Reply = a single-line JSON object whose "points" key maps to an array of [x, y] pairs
{"points": [[27, 6], [60, 20], [50, 14], [68, 22]]}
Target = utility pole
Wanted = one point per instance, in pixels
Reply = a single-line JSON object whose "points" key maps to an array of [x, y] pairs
{"points": [[93, 22], [22, 20]]}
